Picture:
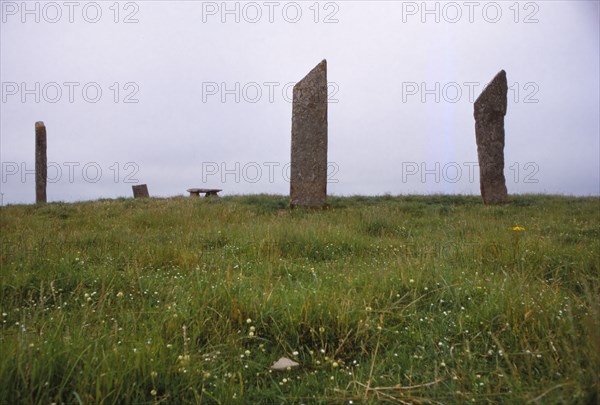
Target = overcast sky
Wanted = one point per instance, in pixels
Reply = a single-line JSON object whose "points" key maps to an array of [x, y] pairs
{"points": [[184, 94]]}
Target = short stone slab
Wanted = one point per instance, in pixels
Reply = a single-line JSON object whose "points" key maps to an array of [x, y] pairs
{"points": [[284, 364], [195, 192], [140, 191]]}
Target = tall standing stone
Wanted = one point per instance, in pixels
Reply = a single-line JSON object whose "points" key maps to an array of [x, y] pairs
{"points": [[41, 162], [490, 109], [308, 179]]}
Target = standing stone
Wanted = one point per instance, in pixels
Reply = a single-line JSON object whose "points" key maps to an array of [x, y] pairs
{"points": [[140, 191], [41, 162], [308, 179], [490, 109]]}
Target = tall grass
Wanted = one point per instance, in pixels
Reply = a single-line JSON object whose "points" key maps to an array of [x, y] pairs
{"points": [[403, 299]]}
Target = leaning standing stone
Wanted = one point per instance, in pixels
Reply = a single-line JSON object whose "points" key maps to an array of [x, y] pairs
{"points": [[490, 109], [41, 162], [308, 180]]}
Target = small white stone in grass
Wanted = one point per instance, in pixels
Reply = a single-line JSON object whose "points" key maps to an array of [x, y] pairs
{"points": [[284, 364]]}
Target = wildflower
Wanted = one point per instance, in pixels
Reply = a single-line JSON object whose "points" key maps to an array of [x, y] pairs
{"points": [[153, 393], [248, 320], [518, 228], [120, 294]]}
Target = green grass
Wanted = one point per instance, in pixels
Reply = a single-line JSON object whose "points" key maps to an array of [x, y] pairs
{"points": [[413, 299]]}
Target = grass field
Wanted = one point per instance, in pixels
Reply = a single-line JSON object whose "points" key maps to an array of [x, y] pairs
{"points": [[412, 299]]}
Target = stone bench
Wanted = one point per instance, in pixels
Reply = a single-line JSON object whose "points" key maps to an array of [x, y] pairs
{"points": [[195, 192]]}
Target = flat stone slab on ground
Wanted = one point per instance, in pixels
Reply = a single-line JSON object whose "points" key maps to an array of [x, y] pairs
{"points": [[208, 191]]}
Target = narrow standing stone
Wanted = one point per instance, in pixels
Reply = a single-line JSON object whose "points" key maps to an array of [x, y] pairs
{"points": [[41, 162], [308, 179], [490, 109], [140, 191]]}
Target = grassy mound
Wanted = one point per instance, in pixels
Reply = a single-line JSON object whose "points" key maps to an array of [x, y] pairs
{"points": [[413, 299]]}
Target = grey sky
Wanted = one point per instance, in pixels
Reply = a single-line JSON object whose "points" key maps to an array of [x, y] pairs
{"points": [[382, 59]]}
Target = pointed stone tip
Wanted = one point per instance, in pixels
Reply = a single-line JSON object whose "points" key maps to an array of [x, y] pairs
{"points": [[319, 70], [320, 66], [494, 93], [39, 124]]}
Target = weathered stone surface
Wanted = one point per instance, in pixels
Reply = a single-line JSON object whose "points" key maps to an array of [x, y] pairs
{"points": [[284, 364], [140, 191], [208, 192], [308, 179], [41, 163], [490, 109]]}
